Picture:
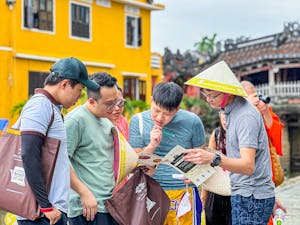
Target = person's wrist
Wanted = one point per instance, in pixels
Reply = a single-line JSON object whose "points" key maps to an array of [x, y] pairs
{"points": [[150, 148], [45, 210]]}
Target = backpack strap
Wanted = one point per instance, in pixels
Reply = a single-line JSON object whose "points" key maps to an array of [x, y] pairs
{"points": [[140, 116]]}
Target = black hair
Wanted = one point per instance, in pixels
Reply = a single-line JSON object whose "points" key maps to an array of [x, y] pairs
{"points": [[119, 89], [52, 79], [167, 95], [104, 80]]}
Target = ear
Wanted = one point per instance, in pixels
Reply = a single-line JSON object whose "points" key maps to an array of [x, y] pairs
{"points": [[91, 101], [64, 83], [177, 108]]}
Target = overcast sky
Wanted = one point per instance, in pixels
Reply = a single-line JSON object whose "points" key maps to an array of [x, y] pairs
{"points": [[184, 22]]}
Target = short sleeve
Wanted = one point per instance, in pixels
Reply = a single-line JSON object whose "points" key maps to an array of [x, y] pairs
{"points": [[248, 129], [135, 138], [36, 115], [72, 130]]}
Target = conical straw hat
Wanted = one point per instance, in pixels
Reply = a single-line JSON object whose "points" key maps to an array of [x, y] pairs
{"points": [[125, 158], [218, 77]]}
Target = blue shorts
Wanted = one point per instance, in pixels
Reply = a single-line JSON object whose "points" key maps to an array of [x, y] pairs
{"points": [[251, 211], [100, 219]]}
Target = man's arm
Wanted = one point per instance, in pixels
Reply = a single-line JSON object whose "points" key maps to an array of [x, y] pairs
{"points": [[244, 165], [32, 162], [88, 200], [31, 157]]}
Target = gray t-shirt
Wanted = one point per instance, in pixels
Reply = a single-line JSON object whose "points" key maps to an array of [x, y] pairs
{"points": [[245, 128], [36, 116]]}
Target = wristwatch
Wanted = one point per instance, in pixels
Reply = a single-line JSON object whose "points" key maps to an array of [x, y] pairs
{"points": [[216, 161]]}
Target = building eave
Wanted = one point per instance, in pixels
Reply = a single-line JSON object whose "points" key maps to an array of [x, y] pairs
{"points": [[141, 4], [133, 74], [54, 59]]}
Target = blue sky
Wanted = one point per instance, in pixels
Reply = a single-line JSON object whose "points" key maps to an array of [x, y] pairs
{"points": [[185, 22]]}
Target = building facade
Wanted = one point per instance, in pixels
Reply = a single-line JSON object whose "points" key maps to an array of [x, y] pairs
{"points": [[107, 35]]}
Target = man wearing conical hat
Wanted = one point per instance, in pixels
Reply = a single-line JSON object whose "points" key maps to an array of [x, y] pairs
{"points": [[248, 157]]}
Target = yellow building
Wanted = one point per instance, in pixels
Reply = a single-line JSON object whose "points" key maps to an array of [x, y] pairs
{"points": [[107, 35]]}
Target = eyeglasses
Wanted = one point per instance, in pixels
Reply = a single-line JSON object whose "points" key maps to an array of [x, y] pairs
{"points": [[110, 106], [209, 96]]}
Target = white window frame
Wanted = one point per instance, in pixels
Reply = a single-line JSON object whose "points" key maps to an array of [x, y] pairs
{"points": [[134, 13], [36, 29], [135, 32], [70, 21], [104, 3]]}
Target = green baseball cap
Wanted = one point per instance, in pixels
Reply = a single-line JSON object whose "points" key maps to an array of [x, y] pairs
{"points": [[72, 68]]}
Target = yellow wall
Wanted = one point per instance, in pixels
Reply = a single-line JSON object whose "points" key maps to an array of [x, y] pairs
{"points": [[107, 45]]}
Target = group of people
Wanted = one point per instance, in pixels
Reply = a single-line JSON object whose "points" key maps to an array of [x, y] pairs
{"points": [[84, 172]]}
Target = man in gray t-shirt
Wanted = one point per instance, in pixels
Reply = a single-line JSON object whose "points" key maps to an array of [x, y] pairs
{"points": [[248, 157], [62, 87]]}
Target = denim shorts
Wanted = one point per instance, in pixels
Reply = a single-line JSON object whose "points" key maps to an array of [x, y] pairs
{"points": [[251, 211]]}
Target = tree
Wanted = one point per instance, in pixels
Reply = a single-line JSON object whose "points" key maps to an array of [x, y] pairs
{"points": [[207, 45]]}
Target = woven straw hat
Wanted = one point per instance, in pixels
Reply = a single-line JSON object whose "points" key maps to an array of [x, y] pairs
{"points": [[218, 183], [218, 77], [125, 158]]}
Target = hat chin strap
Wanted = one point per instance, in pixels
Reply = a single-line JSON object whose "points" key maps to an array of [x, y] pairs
{"points": [[224, 100]]}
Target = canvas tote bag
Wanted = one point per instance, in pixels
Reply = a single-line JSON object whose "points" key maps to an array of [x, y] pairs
{"points": [[15, 193], [140, 201]]}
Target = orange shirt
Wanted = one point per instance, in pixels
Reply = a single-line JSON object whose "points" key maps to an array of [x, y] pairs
{"points": [[275, 132]]}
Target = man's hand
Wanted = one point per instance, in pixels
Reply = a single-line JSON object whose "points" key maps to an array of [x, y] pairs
{"points": [[198, 156], [149, 170], [89, 205], [53, 216], [278, 205], [155, 136]]}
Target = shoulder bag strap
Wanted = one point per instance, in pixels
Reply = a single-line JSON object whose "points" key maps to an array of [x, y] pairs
{"points": [[140, 124]]}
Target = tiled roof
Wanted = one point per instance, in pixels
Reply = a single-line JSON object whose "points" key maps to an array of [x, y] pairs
{"points": [[283, 47]]}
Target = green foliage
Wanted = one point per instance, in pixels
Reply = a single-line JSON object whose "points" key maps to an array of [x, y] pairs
{"points": [[17, 108], [201, 108], [207, 44], [133, 106]]}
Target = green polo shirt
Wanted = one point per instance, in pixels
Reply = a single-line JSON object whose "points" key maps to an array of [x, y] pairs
{"points": [[91, 153]]}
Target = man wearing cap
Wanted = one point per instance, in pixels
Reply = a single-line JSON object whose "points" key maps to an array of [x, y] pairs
{"points": [[248, 157], [91, 152], [62, 88]]}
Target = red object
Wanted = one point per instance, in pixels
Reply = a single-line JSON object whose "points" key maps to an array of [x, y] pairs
{"points": [[275, 132], [43, 210]]}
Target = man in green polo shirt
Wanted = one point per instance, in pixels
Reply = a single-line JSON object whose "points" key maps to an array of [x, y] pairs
{"points": [[91, 153]]}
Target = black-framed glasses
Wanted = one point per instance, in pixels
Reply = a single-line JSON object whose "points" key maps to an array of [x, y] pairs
{"points": [[209, 96], [111, 106]]}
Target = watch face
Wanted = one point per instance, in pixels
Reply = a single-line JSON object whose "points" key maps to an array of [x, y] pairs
{"points": [[216, 161]]}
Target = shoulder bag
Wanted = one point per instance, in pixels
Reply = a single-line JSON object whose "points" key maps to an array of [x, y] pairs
{"points": [[15, 193]]}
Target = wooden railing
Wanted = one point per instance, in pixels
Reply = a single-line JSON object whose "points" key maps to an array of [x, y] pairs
{"points": [[284, 89]]}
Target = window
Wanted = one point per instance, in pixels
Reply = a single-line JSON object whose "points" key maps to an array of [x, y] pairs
{"points": [[36, 80], [80, 21], [38, 14], [104, 3], [134, 89], [133, 31]]}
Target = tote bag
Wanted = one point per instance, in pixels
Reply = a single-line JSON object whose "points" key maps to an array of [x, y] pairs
{"points": [[15, 193], [141, 200], [278, 174]]}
